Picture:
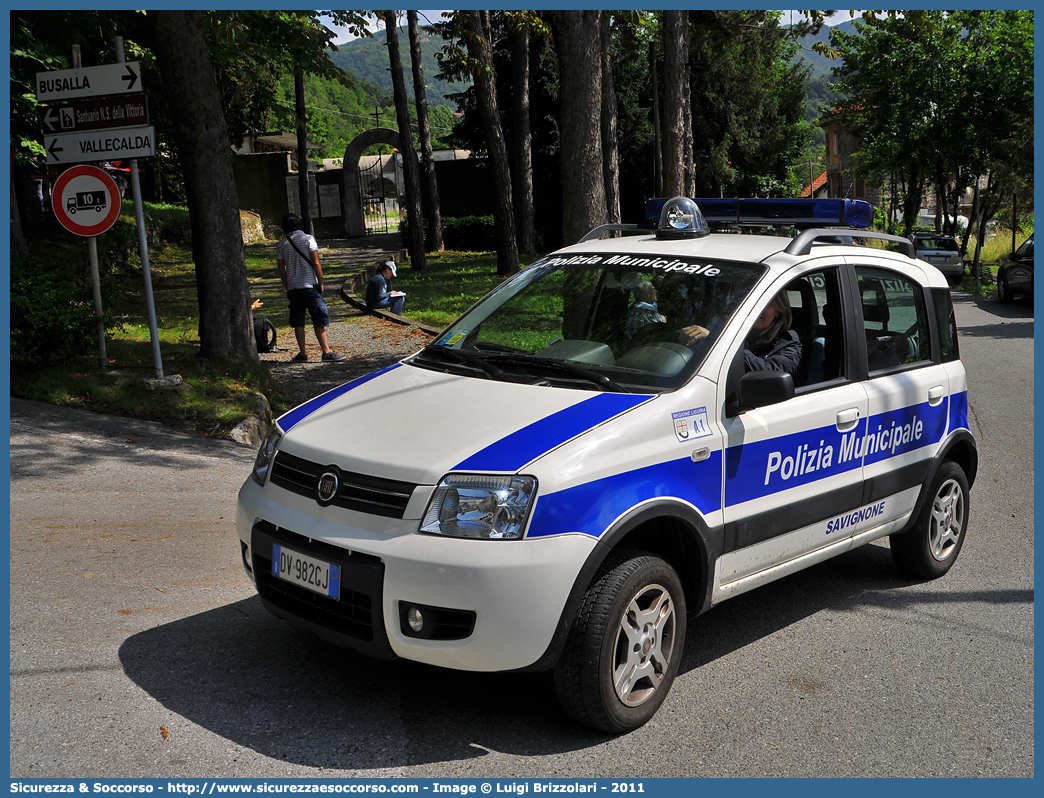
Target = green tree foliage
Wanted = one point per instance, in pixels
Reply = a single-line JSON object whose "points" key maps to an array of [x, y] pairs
{"points": [[941, 98], [52, 306], [338, 113], [543, 107], [748, 103]]}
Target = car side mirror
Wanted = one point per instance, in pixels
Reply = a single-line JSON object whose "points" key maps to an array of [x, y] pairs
{"points": [[761, 388]]}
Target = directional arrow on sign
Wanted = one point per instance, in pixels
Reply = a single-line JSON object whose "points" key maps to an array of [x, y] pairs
{"points": [[50, 120], [131, 76], [53, 151]]}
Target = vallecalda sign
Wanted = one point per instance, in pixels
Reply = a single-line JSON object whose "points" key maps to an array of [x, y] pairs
{"points": [[86, 200], [113, 145]]}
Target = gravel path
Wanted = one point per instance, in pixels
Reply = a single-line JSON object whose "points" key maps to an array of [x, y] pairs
{"points": [[367, 341]]}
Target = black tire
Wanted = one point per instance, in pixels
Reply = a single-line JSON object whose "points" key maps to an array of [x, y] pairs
{"points": [[929, 549], [608, 640], [1004, 294]]}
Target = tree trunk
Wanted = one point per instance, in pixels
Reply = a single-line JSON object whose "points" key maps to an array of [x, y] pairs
{"points": [[654, 69], [17, 235], [302, 152], [677, 121], [580, 92], [410, 172], [201, 137], [610, 152], [971, 218], [973, 221], [431, 186], [480, 50], [523, 140]]}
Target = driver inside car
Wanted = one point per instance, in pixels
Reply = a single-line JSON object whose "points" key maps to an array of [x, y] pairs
{"points": [[771, 344]]}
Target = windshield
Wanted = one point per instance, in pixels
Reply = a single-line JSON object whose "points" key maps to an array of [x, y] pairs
{"points": [[618, 322]]}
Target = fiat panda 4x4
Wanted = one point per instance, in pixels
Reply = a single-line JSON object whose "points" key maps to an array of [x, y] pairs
{"points": [[567, 473]]}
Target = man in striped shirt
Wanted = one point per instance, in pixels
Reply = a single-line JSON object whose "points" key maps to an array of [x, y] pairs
{"points": [[297, 256]]}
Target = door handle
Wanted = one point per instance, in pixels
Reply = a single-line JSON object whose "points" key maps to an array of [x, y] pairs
{"points": [[936, 394], [846, 419]]}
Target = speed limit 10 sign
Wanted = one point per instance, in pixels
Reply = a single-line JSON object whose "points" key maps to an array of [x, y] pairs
{"points": [[86, 200]]}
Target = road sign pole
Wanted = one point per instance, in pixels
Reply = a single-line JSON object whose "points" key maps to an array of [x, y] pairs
{"points": [[92, 250], [143, 247]]}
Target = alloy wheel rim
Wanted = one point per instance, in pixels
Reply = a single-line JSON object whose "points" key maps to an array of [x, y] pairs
{"points": [[947, 520], [644, 645]]}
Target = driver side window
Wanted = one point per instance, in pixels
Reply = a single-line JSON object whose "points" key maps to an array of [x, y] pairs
{"points": [[895, 322]]}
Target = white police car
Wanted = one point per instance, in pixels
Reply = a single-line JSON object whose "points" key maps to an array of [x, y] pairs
{"points": [[568, 472]]}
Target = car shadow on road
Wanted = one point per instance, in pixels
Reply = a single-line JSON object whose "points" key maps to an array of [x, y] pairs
{"points": [[251, 679], [1013, 321], [861, 581]]}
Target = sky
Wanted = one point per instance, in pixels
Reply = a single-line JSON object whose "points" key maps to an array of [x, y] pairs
{"points": [[427, 17], [424, 17]]}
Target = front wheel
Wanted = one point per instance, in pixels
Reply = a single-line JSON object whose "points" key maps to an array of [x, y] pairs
{"points": [[929, 549], [625, 644]]}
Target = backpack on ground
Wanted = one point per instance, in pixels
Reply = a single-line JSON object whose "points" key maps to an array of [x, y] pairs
{"points": [[264, 334]]}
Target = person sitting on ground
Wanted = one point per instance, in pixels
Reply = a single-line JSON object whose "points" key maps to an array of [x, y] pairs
{"points": [[771, 344], [644, 311], [379, 293], [297, 256]]}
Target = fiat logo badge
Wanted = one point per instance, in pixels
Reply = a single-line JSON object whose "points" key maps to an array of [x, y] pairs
{"points": [[327, 486]]}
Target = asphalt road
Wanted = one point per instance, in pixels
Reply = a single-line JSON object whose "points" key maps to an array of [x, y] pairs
{"points": [[139, 649]]}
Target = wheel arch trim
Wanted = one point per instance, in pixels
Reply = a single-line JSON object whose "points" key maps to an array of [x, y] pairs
{"points": [[708, 545], [961, 440]]}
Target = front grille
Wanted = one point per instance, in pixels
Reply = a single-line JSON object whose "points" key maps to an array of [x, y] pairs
{"points": [[365, 494], [357, 613]]}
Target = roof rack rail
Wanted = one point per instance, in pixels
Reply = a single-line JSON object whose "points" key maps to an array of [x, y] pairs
{"points": [[626, 229], [802, 245]]}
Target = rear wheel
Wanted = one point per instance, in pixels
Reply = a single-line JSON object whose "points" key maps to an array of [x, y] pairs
{"points": [[625, 644], [1004, 290], [929, 549]]}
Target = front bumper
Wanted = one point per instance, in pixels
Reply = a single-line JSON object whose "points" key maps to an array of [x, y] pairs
{"points": [[516, 589]]}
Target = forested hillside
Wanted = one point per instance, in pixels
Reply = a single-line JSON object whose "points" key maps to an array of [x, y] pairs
{"points": [[337, 113], [368, 59], [820, 96]]}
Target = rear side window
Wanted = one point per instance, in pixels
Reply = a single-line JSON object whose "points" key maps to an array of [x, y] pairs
{"points": [[895, 320], [946, 325]]}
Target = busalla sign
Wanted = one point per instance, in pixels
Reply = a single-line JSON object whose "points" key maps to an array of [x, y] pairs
{"points": [[70, 84]]}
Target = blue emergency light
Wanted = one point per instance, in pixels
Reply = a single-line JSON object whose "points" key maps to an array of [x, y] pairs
{"points": [[769, 212]]}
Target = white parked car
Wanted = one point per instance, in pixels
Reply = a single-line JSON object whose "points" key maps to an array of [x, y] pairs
{"points": [[941, 251], [582, 461]]}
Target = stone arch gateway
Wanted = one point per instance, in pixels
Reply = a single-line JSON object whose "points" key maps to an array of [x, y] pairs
{"points": [[354, 223]]}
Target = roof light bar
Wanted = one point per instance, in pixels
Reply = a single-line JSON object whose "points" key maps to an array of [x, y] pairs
{"points": [[768, 212]]}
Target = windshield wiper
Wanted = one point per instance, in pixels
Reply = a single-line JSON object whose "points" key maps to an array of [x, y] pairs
{"points": [[466, 358], [600, 380]]}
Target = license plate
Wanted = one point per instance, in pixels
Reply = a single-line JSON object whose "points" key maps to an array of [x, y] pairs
{"points": [[320, 577]]}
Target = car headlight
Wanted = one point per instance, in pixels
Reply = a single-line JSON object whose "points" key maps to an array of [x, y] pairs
{"points": [[265, 455], [480, 506]]}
